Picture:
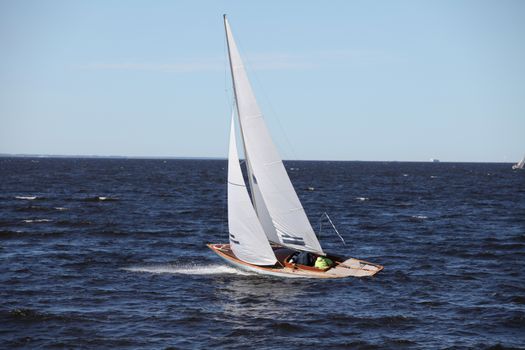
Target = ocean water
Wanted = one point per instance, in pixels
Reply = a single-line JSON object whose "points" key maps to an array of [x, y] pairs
{"points": [[110, 253]]}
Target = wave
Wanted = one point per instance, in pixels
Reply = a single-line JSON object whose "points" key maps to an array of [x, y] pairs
{"points": [[403, 204], [362, 198], [504, 246], [37, 220], [27, 198], [10, 234], [33, 208], [419, 217], [69, 223], [187, 269], [32, 315], [100, 199], [27, 314], [369, 227], [518, 299], [379, 321]]}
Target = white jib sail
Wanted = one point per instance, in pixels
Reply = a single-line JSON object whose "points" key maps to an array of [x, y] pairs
{"points": [[247, 238], [287, 214]]}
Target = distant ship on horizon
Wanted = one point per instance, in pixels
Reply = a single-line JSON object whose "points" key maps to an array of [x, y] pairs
{"points": [[434, 160], [520, 164]]}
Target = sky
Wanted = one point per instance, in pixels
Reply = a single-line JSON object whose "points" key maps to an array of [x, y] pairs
{"points": [[336, 80]]}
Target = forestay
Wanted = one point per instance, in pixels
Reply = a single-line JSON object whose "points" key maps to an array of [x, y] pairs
{"points": [[273, 190], [247, 238]]}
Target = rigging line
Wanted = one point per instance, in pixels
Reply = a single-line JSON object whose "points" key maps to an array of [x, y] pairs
{"points": [[226, 67], [248, 167], [225, 202], [277, 118], [247, 64], [224, 210], [249, 67], [331, 223], [320, 227]]}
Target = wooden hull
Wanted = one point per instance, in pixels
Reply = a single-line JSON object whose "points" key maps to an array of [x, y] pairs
{"points": [[348, 267]]}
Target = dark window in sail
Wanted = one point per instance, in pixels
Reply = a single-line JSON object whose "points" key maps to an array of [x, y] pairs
{"points": [[294, 241], [254, 179], [287, 239], [232, 238]]}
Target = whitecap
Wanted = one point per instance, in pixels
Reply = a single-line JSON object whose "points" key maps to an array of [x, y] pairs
{"points": [[37, 220], [60, 208], [421, 217], [104, 198], [362, 198], [29, 198], [187, 269]]}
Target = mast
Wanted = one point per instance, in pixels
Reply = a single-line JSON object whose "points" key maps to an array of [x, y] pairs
{"points": [[248, 167]]}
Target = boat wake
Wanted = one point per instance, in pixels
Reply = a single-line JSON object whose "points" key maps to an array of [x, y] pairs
{"points": [[187, 269]]}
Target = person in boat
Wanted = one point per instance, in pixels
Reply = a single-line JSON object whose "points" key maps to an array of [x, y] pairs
{"points": [[303, 258], [323, 262]]}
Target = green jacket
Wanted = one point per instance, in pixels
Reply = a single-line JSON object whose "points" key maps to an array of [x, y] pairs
{"points": [[323, 262]]}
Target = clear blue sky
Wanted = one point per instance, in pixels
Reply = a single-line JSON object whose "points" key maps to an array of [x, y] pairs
{"points": [[345, 80]]}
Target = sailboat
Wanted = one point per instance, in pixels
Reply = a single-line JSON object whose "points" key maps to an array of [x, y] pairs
{"points": [[520, 164], [268, 226]]}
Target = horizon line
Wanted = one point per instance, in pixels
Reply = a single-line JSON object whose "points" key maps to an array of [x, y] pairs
{"points": [[91, 156]]}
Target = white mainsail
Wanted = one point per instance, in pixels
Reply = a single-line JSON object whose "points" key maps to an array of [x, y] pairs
{"points": [[247, 238], [263, 214], [269, 178], [260, 206]]}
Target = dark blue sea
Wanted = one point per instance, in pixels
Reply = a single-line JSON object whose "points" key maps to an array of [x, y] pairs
{"points": [[110, 253]]}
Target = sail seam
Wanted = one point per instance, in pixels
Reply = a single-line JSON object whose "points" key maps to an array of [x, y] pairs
{"points": [[272, 163], [234, 184], [296, 209]]}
